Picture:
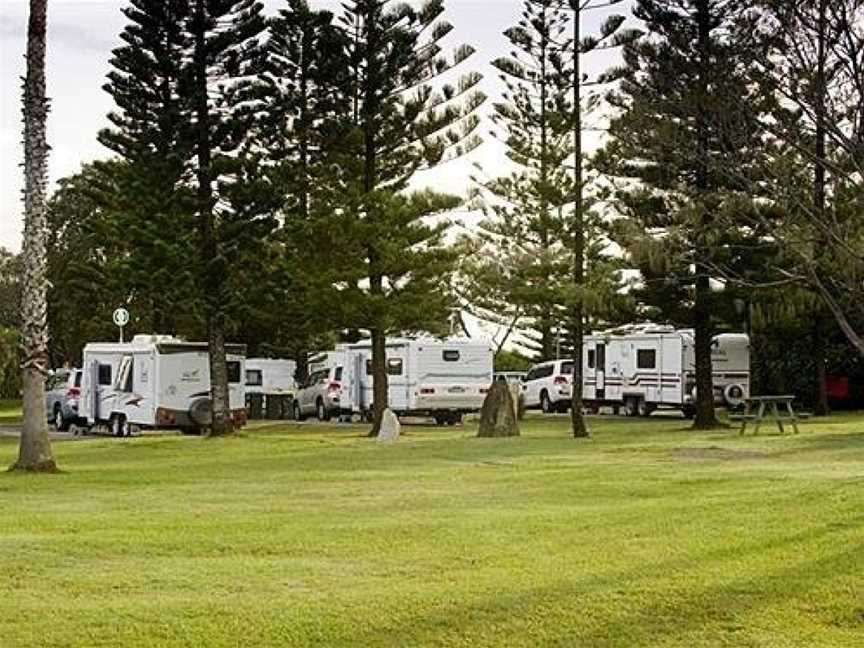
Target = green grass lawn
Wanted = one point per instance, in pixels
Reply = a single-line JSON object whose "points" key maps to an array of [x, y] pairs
{"points": [[645, 535], [10, 412]]}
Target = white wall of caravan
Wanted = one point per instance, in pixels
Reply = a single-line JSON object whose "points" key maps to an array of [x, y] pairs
{"points": [[428, 374], [171, 380]]}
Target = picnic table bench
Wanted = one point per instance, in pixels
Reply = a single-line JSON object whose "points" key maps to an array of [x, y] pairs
{"points": [[771, 406]]}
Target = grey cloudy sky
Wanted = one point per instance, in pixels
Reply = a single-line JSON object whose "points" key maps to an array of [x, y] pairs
{"points": [[81, 35]]}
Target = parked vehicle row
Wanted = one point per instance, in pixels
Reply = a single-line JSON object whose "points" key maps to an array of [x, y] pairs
{"points": [[164, 382], [640, 369]]}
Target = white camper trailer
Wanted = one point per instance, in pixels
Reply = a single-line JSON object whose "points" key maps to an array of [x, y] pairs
{"points": [[646, 367], [270, 377], [426, 376], [156, 382]]}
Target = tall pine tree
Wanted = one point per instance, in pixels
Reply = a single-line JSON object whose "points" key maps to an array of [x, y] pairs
{"points": [[687, 132], [400, 124]]}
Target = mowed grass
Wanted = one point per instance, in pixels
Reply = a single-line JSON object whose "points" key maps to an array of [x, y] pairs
{"points": [[647, 534], [10, 412]]}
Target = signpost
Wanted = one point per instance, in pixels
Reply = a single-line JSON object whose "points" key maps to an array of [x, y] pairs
{"points": [[121, 319]]}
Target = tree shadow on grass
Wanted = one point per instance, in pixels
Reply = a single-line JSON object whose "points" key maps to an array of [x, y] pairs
{"points": [[645, 624]]}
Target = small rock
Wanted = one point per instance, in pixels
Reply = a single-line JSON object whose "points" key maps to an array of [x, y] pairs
{"points": [[390, 427]]}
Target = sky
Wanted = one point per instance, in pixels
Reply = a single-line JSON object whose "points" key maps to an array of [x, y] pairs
{"points": [[82, 33]]}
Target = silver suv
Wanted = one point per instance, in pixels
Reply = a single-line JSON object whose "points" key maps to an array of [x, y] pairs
{"points": [[320, 394], [62, 393], [548, 386]]}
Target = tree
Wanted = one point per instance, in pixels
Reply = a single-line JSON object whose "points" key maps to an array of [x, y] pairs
{"points": [[301, 122], [35, 452], [522, 264], [522, 242], [609, 37], [149, 195], [223, 35], [687, 131], [814, 65], [399, 124]]}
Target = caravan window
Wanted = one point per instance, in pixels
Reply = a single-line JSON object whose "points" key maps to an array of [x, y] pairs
{"points": [[233, 369], [450, 355], [124, 375], [646, 359], [254, 377], [104, 374], [394, 366], [369, 367], [592, 358]]}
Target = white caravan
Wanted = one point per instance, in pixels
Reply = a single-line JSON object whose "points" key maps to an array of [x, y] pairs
{"points": [[426, 376], [645, 367], [270, 377], [156, 382]]}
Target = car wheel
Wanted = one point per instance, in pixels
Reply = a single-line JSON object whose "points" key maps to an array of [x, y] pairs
{"points": [[321, 411], [545, 403], [59, 421], [298, 415]]}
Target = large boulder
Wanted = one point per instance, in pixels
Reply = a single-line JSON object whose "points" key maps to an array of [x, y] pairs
{"points": [[499, 416], [390, 427]]}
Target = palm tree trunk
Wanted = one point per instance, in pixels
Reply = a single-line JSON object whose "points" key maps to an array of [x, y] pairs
{"points": [[35, 450]]}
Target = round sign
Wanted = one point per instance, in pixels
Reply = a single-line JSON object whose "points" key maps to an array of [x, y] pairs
{"points": [[121, 317]]}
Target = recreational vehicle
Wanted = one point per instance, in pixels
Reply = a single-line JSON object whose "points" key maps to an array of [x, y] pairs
{"points": [[270, 377], [426, 377], [156, 382], [645, 367]]}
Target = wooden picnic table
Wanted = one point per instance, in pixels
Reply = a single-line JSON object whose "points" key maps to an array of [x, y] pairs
{"points": [[773, 407]]}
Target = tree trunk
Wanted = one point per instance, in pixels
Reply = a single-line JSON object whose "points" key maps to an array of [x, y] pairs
{"points": [[819, 351], [222, 423], [370, 181], [35, 448], [820, 359], [379, 377], [577, 418], [211, 282], [705, 417]]}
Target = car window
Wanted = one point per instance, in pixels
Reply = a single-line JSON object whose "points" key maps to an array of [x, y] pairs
{"points": [[545, 371], [566, 368], [78, 375], [337, 375]]}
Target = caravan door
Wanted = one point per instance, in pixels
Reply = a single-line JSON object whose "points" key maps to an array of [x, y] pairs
{"points": [[600, 371]]}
